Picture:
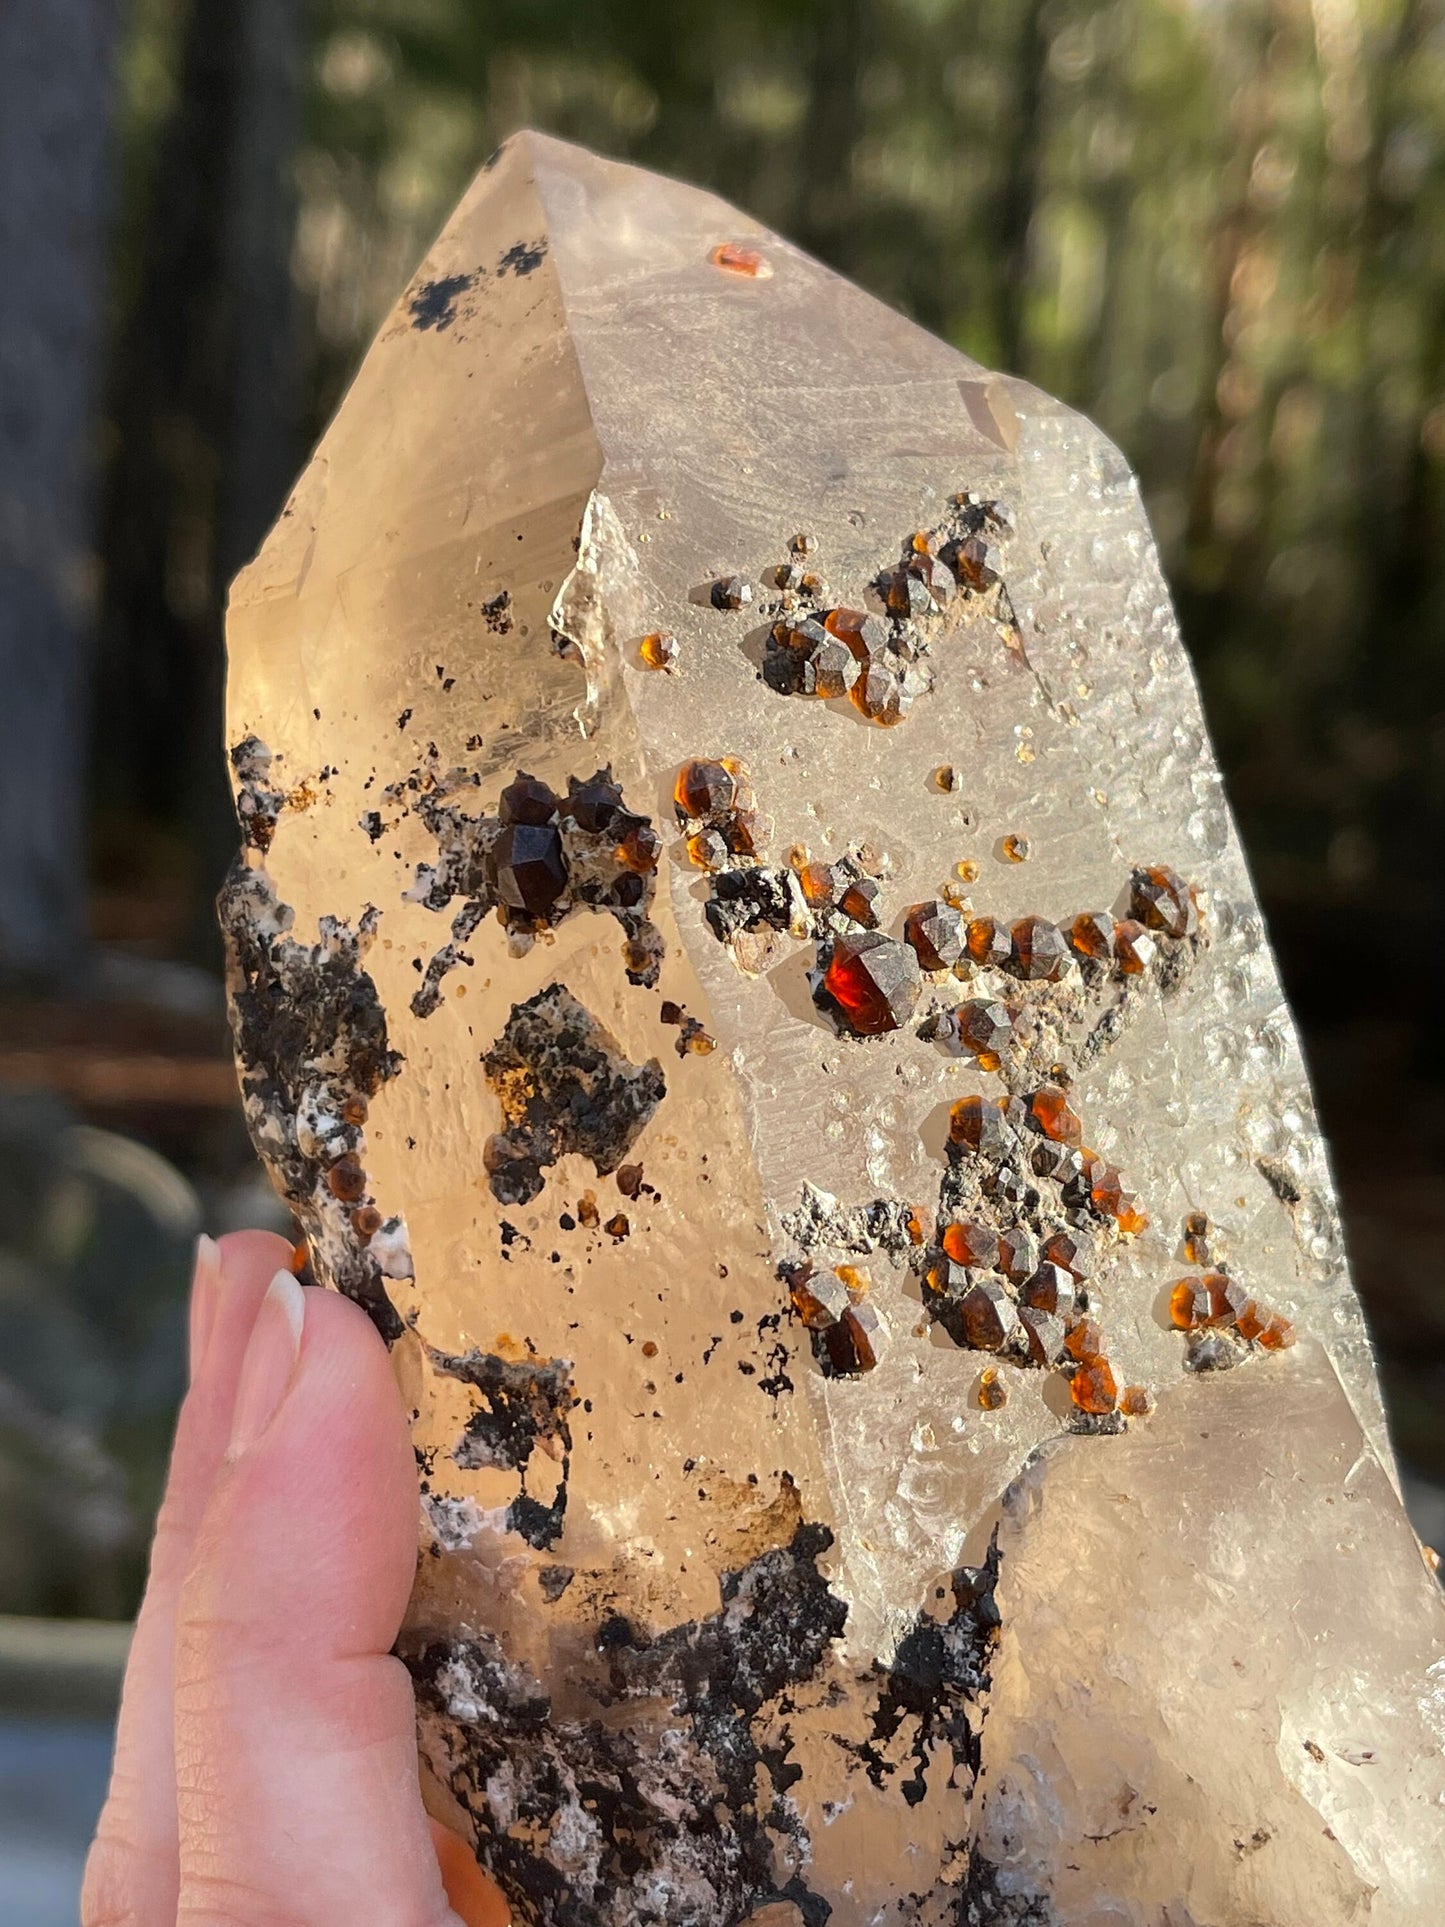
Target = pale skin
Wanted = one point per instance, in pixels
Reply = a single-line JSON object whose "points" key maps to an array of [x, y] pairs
{"points": [[265, 1770]]}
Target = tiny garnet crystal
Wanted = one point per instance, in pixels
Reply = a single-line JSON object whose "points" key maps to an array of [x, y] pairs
{"points": [[984, 1029], [946, 1282], [731, 592], [873, 982], [1093, 1387], [1016, 849], [1072, 1250], [1197, 1247], [530, 867], [593, 805], [1061, 1162], [1091, 934], [736, 257], [1018, 1254], [856, 1342], [934, 933], [979, 1124], [527, 799], [707, 849], [1253, 1319], [880, 693], [818, 884], [859, 901], [347, 1180], [992, 1392], [987, 1315], [970, 1243], [1106, 1187], [1129, 1219], [1043, 1334], [908, 592], [806, 659], [704, 788], [820, 1298], [659, 650], [979, 563], [1161, 900], [743, 832], [866, 635], [1134, 948], [1085, 1340], [1051, 1289], [640, 849], [1278, 1335], [1050, 1110], [989, 941], [1038, 951], [1136, 1401], [1189, 1304], [1227, 1297]]}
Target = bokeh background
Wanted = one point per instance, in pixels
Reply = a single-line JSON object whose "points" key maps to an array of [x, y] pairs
{"points": [[1216, 225]]}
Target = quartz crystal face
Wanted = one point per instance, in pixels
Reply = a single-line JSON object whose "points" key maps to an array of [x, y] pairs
{"points": [[897, 1442]]}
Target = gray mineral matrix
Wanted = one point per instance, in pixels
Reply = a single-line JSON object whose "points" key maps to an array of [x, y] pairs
{"points": [[741, 962]]}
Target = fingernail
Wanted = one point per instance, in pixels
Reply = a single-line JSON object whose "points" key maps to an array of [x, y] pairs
{"points": [[270, 1362], [205, 1300]]}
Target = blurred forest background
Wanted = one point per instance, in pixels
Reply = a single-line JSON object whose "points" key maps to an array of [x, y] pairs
{"points": [[1218, 226]]}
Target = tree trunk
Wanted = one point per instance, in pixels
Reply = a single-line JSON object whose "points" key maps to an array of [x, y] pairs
{"points": [[206, 418], [260, 432], [1019, 189], [55, 79]]}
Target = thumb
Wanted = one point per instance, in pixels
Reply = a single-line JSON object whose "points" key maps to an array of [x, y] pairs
{"points": [[296, 1769]]}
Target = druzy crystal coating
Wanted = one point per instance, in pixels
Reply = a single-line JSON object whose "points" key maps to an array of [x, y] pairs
{"points": [[742, 1497]]}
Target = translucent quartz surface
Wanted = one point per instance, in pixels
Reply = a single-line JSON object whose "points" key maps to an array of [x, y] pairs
{"points": [[704, 1627]]}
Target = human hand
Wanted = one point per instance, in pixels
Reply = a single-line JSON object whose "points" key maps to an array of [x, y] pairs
{"points": [[265, 1768]]}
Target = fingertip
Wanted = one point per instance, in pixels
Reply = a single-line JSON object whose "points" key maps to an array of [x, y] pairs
{"points": [[314, 1517], [205, 1301], [253, 1257]]}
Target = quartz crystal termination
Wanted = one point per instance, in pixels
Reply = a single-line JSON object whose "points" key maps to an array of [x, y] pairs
{"points": [[740, 961]]}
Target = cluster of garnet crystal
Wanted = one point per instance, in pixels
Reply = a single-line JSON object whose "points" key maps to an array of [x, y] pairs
{"points": [[1021, 1292], [1161, 905], [341, 1142], [1216, 1309], [584, 848], [1044, 1133], [825, 650], [874, 983], [540, 857], [847, 652], [846, 1327], [715, 805]]}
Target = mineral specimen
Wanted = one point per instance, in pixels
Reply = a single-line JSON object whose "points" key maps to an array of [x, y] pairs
{"points": [[742, 1504]]}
